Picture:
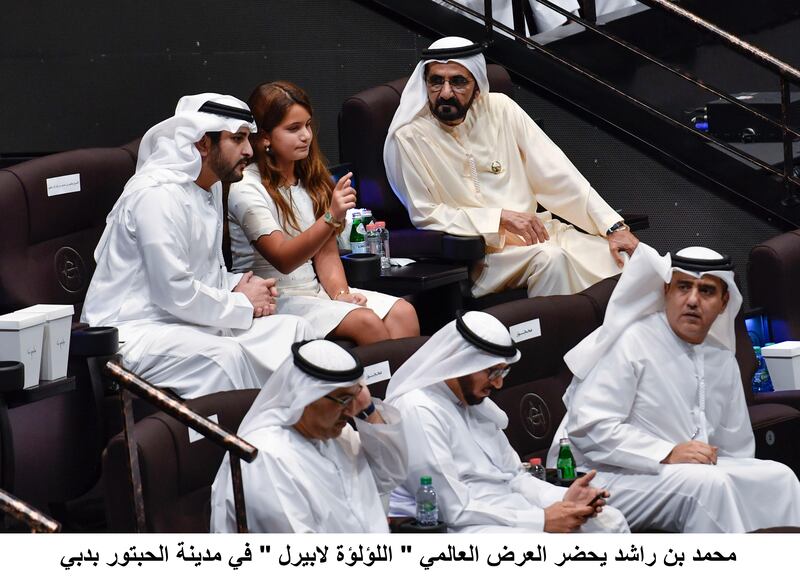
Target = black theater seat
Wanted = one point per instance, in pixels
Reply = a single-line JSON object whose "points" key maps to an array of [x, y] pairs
{"points": [[52, 212], [176, 473]]}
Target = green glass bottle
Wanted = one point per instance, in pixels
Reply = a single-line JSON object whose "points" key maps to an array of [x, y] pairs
{"points": [[358, 242], [566, 462]]}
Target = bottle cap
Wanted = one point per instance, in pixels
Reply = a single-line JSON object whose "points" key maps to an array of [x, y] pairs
{"points": [[425, 480], [564, 441], [372, 226], [535, 461], [380, 223]]}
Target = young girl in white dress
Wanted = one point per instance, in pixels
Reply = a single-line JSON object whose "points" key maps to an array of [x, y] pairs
{"points": [[284, 217]]}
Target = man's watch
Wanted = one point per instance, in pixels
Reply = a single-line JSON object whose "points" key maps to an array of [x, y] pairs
{"points": [[330, 220], [364, 414], [618, 226]]}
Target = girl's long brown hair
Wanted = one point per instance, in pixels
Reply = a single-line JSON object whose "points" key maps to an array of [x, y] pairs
{"points": [[269, 103]]}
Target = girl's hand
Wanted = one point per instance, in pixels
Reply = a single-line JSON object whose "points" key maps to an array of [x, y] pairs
{"points": [[358, 299], [343, 198]]}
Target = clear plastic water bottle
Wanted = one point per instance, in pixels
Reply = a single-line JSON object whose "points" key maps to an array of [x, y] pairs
{"points": [[537, 469], [761, 379], [373, 239], [427, 508], [385, 253], [366, 216]]}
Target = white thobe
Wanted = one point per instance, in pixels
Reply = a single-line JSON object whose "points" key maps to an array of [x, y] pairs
{"points": [[652, 391], [460, 178], [251, 214], [479, 480], [298, 485], [161, 280]]}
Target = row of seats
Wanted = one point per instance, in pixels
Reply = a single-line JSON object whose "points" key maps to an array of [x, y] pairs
{"points": [[47, 237], [52, 446], [177, 473]]}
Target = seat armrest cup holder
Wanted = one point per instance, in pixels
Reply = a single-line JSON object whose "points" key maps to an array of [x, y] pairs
{"points": [[91, 342], [361, 267], [12, 376]]}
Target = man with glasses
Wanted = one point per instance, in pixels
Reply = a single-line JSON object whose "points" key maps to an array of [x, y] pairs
{"points": [[455, 436], [313, 472], [469, 162]]}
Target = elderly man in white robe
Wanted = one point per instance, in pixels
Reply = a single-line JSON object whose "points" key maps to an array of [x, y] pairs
{"points": [[313, 472], [657, 405], [469, 162], [455, 435], [184, 321]]}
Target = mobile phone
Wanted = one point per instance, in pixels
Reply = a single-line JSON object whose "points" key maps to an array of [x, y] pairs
{"points": [[598, 496]]}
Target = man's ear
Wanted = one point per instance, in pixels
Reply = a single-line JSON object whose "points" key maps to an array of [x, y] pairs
{"points": [[204, 146], [725, 297]]}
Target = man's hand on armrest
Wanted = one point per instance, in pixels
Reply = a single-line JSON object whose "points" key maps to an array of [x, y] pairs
{"points": [[529, 227], [260, 292]]}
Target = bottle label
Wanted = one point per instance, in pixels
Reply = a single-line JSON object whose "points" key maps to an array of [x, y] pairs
{"points": [[358, 247], [566, 473]]}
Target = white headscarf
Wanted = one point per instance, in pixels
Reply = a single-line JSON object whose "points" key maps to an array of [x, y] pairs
{"points": [[290, 389], [447, 354], [639, 293], [167, 152], [415, 99]]}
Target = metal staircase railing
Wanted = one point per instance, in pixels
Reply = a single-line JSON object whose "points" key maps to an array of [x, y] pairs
{"points": [[772, 190], [785, 72]]}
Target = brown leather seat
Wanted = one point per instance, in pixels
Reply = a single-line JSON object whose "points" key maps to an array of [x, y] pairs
{"points": [[773, 276], [47, 239], [176, 473], [532, 391], [774, 416], [396, 352]]}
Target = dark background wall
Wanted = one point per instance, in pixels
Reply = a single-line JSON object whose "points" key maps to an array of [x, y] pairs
{"points": [[93, 73]]}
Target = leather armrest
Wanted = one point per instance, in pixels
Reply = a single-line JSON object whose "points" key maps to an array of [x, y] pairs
{"points": [[422, 243], [787, 397], [463, 248], [91, 342]]}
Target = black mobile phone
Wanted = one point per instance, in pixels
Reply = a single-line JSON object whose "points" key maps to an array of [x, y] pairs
{"points": [[598, 496]]}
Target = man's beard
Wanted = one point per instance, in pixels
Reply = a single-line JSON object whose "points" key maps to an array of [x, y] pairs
{"points": [[466, 392], [227, 173], [455, 112]]}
